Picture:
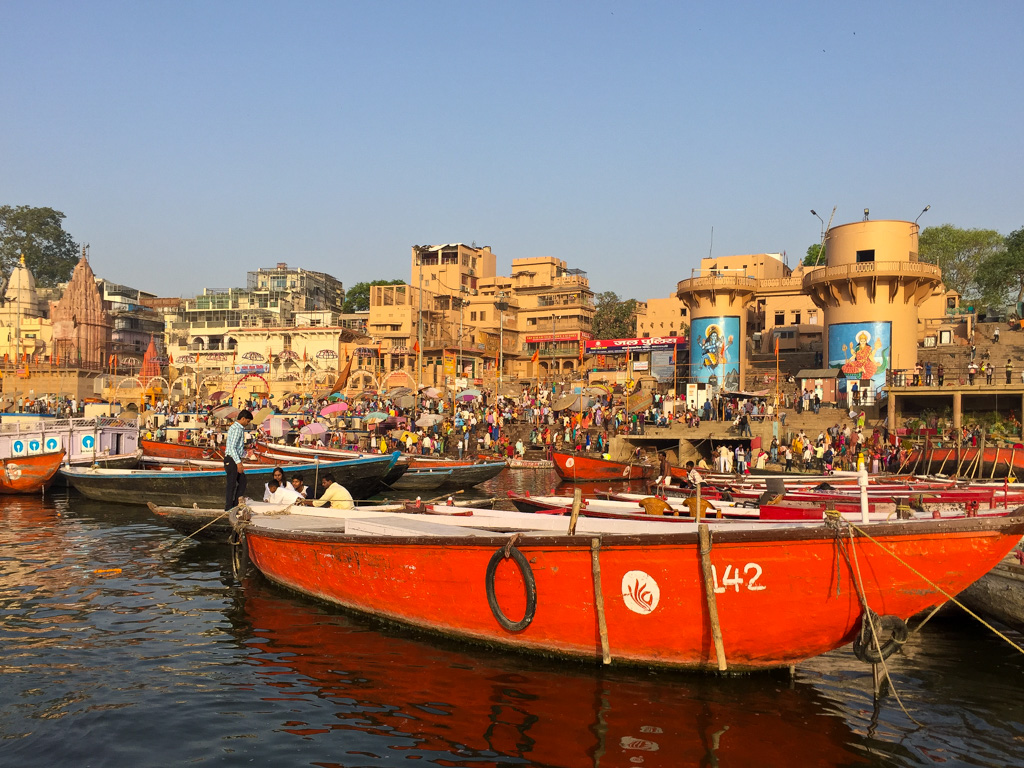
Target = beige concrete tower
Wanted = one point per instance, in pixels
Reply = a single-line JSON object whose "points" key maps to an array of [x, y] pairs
{"points": [[716, 302], [870, 291]]}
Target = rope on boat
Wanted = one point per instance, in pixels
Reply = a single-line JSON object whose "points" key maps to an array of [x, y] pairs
{"points": [[239, 517], [933, 585], [836, 521]]}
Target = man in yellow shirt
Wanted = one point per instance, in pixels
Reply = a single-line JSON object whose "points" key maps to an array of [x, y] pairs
{"points": [[334, 494]]}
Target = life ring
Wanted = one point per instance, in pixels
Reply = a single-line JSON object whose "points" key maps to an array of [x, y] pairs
{"points": [[531, 589], [864, 645]]}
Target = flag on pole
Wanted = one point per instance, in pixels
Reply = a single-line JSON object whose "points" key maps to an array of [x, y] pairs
{"points": [[776, 346], [536, 356], [416, 347]]}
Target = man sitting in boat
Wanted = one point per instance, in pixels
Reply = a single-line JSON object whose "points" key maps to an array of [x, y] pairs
{"points": [[334, 494]]}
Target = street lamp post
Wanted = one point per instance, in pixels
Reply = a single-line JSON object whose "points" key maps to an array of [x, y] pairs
{"points": [[501, 305]]}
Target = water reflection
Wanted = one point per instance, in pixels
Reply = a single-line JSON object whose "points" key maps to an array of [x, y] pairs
{"points": [[446, 704]]}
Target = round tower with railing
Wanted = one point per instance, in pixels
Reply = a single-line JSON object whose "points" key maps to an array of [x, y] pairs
{"points": [[716, 303], [869, 292]]}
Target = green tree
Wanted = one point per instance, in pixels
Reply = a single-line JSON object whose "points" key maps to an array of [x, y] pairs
{"points": [[357, 298], [613, 317], [813, 253], [49, 251], [1002, 272], [959, 253]]}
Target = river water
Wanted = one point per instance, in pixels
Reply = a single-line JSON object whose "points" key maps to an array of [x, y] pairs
{"points": [[123, 644]]}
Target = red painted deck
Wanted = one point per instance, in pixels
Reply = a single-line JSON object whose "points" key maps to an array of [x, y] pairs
{"points": [[778, 599]]}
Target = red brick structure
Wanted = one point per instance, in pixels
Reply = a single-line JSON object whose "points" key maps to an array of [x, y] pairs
{"points": [[81, 327]]}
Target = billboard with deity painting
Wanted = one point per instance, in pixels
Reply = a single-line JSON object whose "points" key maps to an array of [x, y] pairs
{"points": [[860, 351], [715, 348]]}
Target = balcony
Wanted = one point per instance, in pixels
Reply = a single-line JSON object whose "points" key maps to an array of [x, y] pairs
{"points": [[848, 283]]}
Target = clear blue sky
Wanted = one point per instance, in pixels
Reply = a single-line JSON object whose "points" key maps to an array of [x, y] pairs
{"points": [[189, 142]]}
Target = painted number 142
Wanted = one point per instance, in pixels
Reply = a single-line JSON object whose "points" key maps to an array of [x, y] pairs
{"points": [[732, 578]]}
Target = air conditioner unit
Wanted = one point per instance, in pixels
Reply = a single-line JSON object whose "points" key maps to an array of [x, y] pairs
{"points": [[472, 272], [473, 292]]}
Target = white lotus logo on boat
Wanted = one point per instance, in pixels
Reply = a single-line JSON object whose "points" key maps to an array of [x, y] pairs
{"points": [[640, 592]]}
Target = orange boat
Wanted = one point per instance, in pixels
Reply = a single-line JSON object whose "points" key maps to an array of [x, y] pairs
{"points": [[29, 474], [188, 451], [783, 595], [994, 460], [576, 467]]}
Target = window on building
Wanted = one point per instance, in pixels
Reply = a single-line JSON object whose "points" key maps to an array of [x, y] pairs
{"points": [[483, 316], [796, 318], [472, 316], [682, 311], [780, 318], [812, 317], [866, 255]]}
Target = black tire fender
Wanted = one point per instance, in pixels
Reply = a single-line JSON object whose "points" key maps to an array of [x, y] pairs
{"points": [[864, 645], [531, 589]]}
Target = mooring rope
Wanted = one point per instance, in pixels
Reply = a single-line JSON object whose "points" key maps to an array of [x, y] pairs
{"points": [[867, 612], [935, 586]]}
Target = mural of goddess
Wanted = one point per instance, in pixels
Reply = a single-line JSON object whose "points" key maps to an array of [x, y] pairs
{"points": [[863, 358]]}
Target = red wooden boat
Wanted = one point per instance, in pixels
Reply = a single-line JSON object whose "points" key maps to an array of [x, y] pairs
{"points": [[576, 467], [945, 461], [29, 474], [179, 450], [783, 595]]}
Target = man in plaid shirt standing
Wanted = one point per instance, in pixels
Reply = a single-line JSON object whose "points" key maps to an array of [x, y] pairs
{"points": [[234, 453]]}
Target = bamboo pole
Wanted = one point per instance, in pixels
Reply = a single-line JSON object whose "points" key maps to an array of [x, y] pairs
{"points": [[995, 463], [602, 624], [709, 593], [577, 501]]}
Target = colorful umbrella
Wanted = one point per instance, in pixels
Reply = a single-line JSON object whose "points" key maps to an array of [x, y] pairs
{"points": [[284, 424], [431, 392], [225, 412], [468, 394], [313, 429], [336, 396], [334, 408], [262, 414], [219, 395], [429, 420]]}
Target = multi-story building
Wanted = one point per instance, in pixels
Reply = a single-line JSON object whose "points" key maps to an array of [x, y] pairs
{"points": [[304, 290], [661, 317], [556, 315], [135, 321]]}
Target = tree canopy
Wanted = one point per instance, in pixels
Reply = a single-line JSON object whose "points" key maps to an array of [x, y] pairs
{"points": [[959, 253], [813, 252], [357, 298], [613, 317], [1002, 272], [38, 233]]}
